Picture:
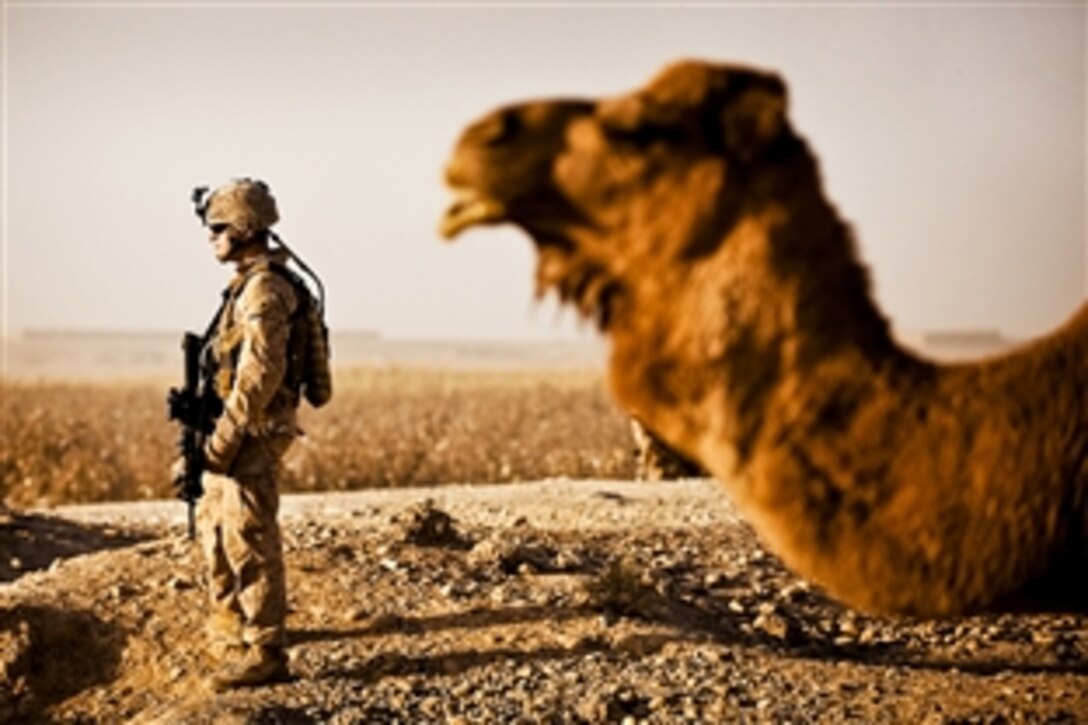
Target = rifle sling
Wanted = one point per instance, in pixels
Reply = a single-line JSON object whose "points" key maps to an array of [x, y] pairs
{"points": [[215, 320]]}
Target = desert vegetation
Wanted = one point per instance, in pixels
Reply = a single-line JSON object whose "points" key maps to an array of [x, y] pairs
{"points": [[67, 442]]}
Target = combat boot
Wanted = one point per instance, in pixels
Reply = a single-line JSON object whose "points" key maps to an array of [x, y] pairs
{"points": [[259, 665], [224, 633]]}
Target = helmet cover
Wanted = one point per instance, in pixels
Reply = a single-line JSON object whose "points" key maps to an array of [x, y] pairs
{"points": [[245, 205]]}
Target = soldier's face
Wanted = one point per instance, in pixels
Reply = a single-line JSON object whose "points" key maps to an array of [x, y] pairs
{"points": [[219, 237]]}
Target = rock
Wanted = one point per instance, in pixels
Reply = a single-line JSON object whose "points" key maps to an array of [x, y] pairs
{"points": [[425, 525], [777, 626], [848, 628], [356, 614], [511, 553], [867, 636], [179, 583], [385, 622], [1044, 638], [794, 591]]}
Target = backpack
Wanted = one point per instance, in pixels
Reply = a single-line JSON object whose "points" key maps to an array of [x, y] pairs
{"points": [[308, 354], [308, 371]]}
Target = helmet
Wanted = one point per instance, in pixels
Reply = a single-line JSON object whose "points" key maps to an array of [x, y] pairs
{"points": [[245, 205]]}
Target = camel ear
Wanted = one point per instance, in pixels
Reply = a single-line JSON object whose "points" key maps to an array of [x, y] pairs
{"points": [[753, 117], [676, 90], [625, 113]]}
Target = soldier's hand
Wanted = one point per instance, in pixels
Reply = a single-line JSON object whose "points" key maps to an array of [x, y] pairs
{"points": [[222, 445]]}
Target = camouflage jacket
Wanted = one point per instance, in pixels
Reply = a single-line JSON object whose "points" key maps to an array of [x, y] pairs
{"points": [[250, 349]]}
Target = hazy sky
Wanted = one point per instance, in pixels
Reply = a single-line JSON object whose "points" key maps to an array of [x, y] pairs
{"points": [[952, 137]]}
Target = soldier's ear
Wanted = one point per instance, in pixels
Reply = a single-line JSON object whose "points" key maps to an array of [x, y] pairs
{"points": [[753, 116]]}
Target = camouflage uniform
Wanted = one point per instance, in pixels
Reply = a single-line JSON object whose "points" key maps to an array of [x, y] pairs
{"points": [[239, 531]]}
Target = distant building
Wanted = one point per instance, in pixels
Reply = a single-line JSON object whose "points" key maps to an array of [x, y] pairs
{"points": [[955, 344]]}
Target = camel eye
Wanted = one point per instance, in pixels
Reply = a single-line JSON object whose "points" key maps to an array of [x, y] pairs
{"points": [[645, 134], [499, 128]]}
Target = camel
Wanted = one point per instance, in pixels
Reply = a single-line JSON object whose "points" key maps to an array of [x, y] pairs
{"points": [[687, 219]]}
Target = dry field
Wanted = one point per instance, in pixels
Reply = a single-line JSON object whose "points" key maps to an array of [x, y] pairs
{"points": [[70, 442]]}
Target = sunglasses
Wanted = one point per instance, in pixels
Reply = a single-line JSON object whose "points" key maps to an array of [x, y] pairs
{"points": [[218, 229]]}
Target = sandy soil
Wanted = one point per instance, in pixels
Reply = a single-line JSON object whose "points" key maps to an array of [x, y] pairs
{"points": [[559, 601]]}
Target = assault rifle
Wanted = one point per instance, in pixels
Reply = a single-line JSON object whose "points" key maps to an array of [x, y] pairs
{"points": [[196, 406]]}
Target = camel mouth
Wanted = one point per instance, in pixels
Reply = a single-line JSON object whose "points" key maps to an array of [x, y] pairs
{"points": [[584, 285], [470, 208]]}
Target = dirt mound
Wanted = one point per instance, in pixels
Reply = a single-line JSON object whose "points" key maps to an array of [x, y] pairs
{"points": [[49, 654], [29, 541], [588, 606]]}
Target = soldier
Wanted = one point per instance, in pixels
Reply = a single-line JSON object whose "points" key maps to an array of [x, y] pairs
{"points": [[236, 517]]}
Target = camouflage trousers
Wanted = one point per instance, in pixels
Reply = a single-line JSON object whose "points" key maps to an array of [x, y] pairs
{"points": [[243, 549]]}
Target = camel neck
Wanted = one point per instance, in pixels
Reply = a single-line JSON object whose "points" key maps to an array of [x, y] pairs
{"points": [[812, 253], [763, 330], [814, 332]]}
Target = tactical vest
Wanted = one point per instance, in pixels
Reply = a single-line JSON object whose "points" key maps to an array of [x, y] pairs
{"points": [[307, 371]]}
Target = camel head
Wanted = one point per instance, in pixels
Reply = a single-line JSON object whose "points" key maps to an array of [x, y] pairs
{"points": [[621, 195], [651, 213]]}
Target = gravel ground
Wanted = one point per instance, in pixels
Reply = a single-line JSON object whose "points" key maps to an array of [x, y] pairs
{"points": [[560, 601]]}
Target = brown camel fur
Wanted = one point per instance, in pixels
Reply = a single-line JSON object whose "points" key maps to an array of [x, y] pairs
{"points": [[688, 219]]}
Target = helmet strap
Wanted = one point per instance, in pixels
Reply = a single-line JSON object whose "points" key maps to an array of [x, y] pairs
{"points": [[239, 246]]}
